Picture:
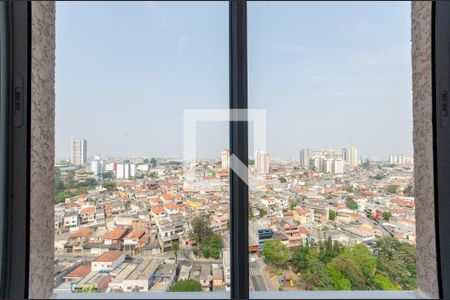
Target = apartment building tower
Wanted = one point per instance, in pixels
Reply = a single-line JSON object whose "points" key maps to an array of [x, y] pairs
{"points": [[79, 152]]}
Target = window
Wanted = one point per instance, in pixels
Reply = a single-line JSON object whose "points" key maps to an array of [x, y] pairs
{"points": [[334, 186], [122, 92], [328, 188], [244, 149]]}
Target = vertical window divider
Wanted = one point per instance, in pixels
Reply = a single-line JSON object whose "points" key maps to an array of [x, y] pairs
{"points": [[238, 147]]}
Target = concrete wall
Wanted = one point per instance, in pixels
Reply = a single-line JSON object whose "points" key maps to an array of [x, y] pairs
{"points": [[423, 147], [42, 149]]}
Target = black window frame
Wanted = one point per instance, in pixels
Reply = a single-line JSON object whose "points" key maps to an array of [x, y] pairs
{"points": [[239, 147], [16, 225], [440, 52]]}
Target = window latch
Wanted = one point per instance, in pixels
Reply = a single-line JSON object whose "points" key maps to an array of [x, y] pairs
{"points": [[444, 109], [18, 103]]}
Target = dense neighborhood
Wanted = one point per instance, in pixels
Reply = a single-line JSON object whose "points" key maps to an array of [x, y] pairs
{"points": [[138, 225]]}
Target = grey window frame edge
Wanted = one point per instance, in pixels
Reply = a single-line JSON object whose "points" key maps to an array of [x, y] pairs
{"points": [[15, 267]]}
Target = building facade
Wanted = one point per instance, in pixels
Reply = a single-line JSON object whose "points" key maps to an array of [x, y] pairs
{"points": [[79, 152]]}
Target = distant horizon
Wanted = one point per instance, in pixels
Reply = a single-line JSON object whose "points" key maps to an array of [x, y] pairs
{"points": [[217, 157]]}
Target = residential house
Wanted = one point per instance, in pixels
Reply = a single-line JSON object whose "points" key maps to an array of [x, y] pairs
{"points": [[107, 261]]}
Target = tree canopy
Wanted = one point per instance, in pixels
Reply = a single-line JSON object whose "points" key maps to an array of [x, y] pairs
{"points": [[276, 253], [330, 265], [350, 203], [200, 229], [189, 285]]}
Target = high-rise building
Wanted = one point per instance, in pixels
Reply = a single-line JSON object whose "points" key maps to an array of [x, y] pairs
{"points": [[327, 165], [304, 158], [352, 156], [314, 164], [125, 170], [97, 166], [344, 154], [338, 166], [225, 157], [396, 159], [262, 162], [79, 152]]}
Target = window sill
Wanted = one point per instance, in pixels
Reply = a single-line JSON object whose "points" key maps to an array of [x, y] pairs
{"points": [[254, 295]]}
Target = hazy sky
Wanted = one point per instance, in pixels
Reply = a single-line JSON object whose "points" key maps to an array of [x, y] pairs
{"points": [[328, 74]]}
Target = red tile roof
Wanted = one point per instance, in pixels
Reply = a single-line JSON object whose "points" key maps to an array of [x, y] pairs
{"points": [[87, 210], [168, 196], [115, 234], [108, 257], [170, 206], [80, 271], [135, 234], [158, 209], [82, 232], [401, 202]]}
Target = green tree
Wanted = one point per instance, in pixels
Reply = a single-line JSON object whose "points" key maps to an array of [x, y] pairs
{"points": [[350, 203], [262, 212], [175, 248], [283, 180], [59, 183], [332, 215], [397, 262], [293, 203], [189, 285], [379, 176], [384, 283], [108, 175], [200, 229], [387, 215], [299, 259], [276, 253], [206, 251], [317, 277], [89, 288], [215, 244], [409, 190], [339, 281], [109, 186], [357, 265], [328, 251]]}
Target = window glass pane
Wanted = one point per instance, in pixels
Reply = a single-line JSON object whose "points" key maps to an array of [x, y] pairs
{"points": [[128, 217], [331, 197]]}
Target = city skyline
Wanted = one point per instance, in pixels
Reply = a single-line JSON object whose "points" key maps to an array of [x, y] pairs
{"points": [[140, 111], [348, 154]]}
